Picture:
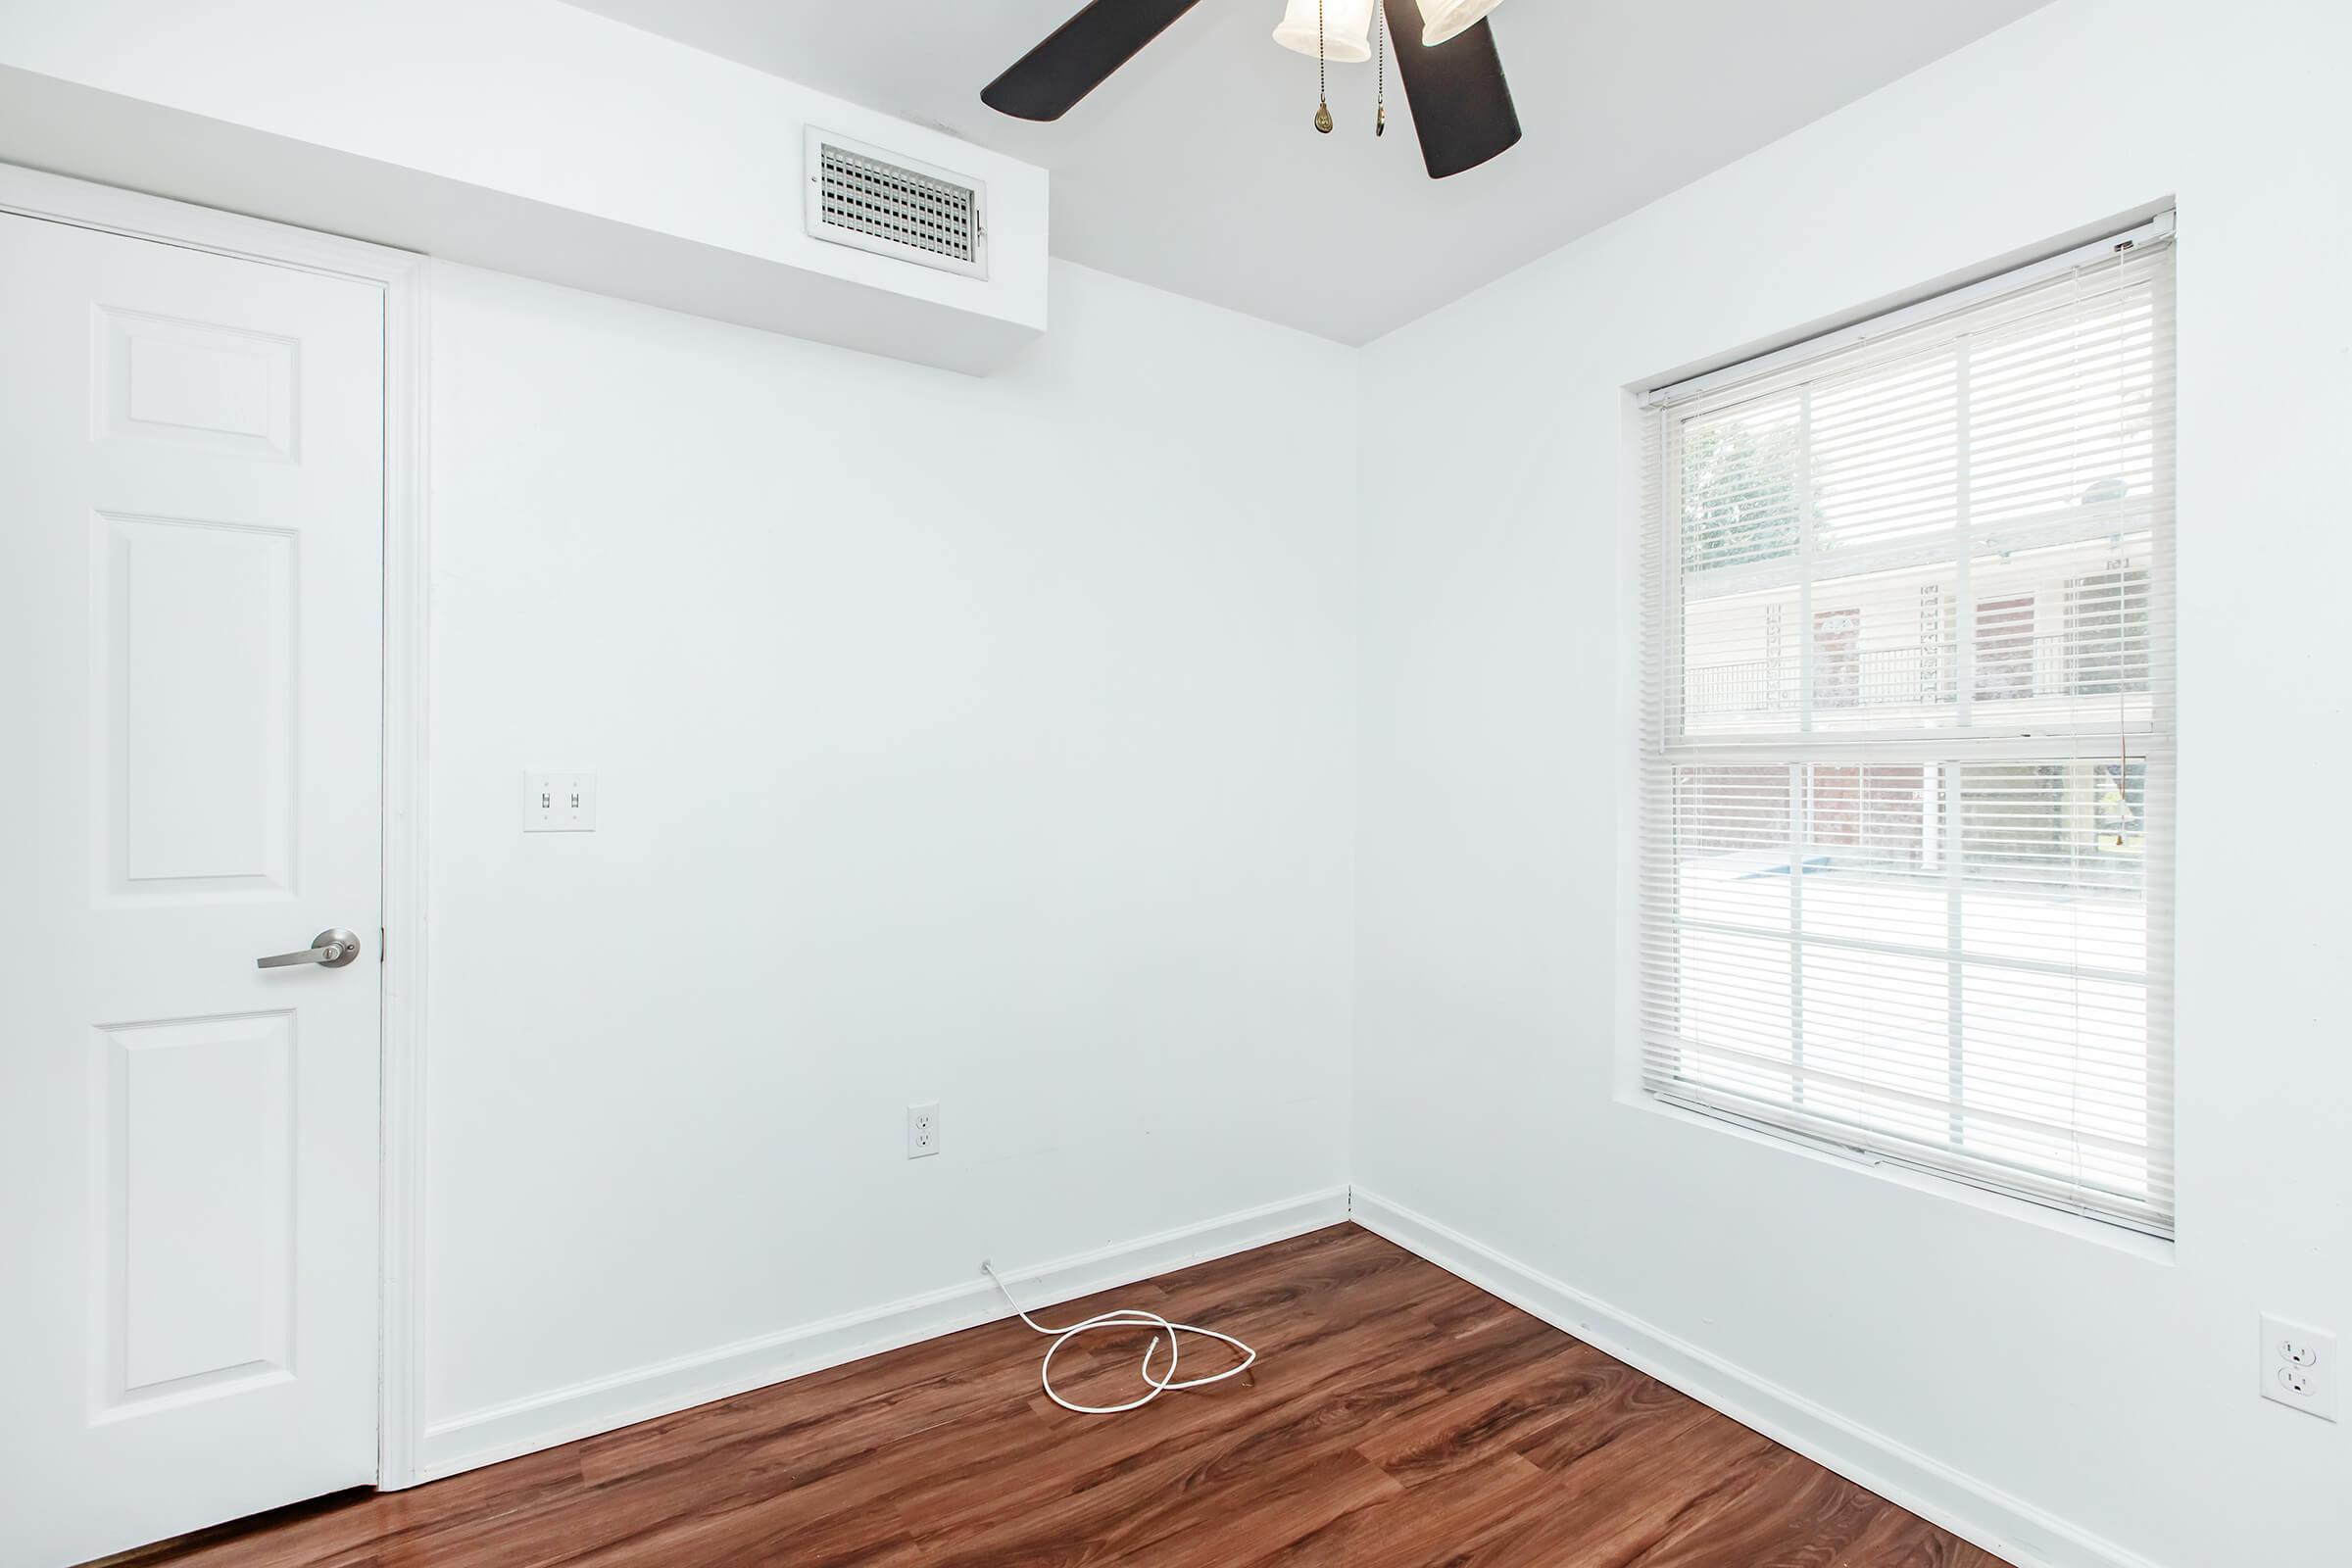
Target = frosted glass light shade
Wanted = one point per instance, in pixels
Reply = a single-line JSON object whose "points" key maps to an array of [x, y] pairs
{"points": [[1440, 19], [1346, 30]]}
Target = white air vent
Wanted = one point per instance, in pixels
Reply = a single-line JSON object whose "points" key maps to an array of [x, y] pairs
{"points": [[876, 201]]}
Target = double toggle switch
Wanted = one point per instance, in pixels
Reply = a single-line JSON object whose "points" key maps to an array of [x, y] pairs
{"points": [[558, 802]]}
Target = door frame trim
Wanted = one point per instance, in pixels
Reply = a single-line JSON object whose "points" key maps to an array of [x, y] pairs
{"points": [[403, 275]]}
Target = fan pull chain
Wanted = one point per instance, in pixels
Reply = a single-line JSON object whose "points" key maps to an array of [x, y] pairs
{"points": [[1380, 56], [1322, 77]]}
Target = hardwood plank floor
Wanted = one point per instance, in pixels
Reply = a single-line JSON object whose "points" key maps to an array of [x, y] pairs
{"points": [[1397, 1418]]}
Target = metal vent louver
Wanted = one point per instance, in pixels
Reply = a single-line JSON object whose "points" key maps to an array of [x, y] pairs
{"points": [[859, 197]]}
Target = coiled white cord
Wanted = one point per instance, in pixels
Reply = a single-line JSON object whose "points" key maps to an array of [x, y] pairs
{"points": [[1125, 1317]]}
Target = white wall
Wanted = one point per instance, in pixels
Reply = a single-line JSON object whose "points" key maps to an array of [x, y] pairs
{"points": [[2055, 1372], [987, 742]]}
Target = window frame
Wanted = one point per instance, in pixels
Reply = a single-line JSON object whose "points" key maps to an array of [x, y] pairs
{"points": [[2144, 784]]}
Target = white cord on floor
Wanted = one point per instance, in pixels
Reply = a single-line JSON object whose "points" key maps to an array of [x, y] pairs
{"points": [[1124, 1317]]}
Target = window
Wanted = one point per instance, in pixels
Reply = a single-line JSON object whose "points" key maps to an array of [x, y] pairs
{"points": [[1836, 657], [1905, 876], [2005, 648]]}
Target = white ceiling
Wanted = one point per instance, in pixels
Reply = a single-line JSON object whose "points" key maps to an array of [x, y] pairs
{"points": [[1196, 168]]}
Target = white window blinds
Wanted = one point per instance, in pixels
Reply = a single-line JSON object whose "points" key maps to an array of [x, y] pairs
{"points": [[1908, 739]]}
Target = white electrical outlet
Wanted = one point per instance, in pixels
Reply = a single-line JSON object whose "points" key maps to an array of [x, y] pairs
{"points": [[2298, 1366], [923, 1130], [558, 802]]}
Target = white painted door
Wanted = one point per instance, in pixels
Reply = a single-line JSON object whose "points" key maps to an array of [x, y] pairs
{"points": [[191, 483]]}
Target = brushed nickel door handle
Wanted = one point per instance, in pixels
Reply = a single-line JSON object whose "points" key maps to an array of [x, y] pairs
{"points": [[329, 950]]}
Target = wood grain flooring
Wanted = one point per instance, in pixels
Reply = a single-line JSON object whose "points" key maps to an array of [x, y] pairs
{"points": [[1397, 1418]]}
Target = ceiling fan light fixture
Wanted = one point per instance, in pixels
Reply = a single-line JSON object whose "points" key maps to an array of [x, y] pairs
{"points": [[1346, 30], [1440, 19]]}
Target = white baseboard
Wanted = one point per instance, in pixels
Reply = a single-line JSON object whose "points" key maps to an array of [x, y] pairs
{"points": [[2005, 1525], [583, 1409]]}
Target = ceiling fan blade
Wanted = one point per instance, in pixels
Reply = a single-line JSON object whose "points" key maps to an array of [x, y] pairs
{"points": [[1079, 56], [1461, 105]]}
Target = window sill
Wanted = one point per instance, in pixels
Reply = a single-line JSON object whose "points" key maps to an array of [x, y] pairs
{"points": [[2079, 1227]]}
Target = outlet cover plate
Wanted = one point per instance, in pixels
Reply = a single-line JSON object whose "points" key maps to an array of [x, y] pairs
{"points": [[2298, 1366], [923, 1130]]}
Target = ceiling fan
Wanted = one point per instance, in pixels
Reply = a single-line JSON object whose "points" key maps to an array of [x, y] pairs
{"points": [[1453, 76]]}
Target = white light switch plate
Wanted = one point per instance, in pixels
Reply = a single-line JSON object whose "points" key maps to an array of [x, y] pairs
{"points": [[561, 802], [2298, 1366]]}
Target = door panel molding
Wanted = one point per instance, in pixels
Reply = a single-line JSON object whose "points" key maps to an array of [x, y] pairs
{"points": [[404, 279]]}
